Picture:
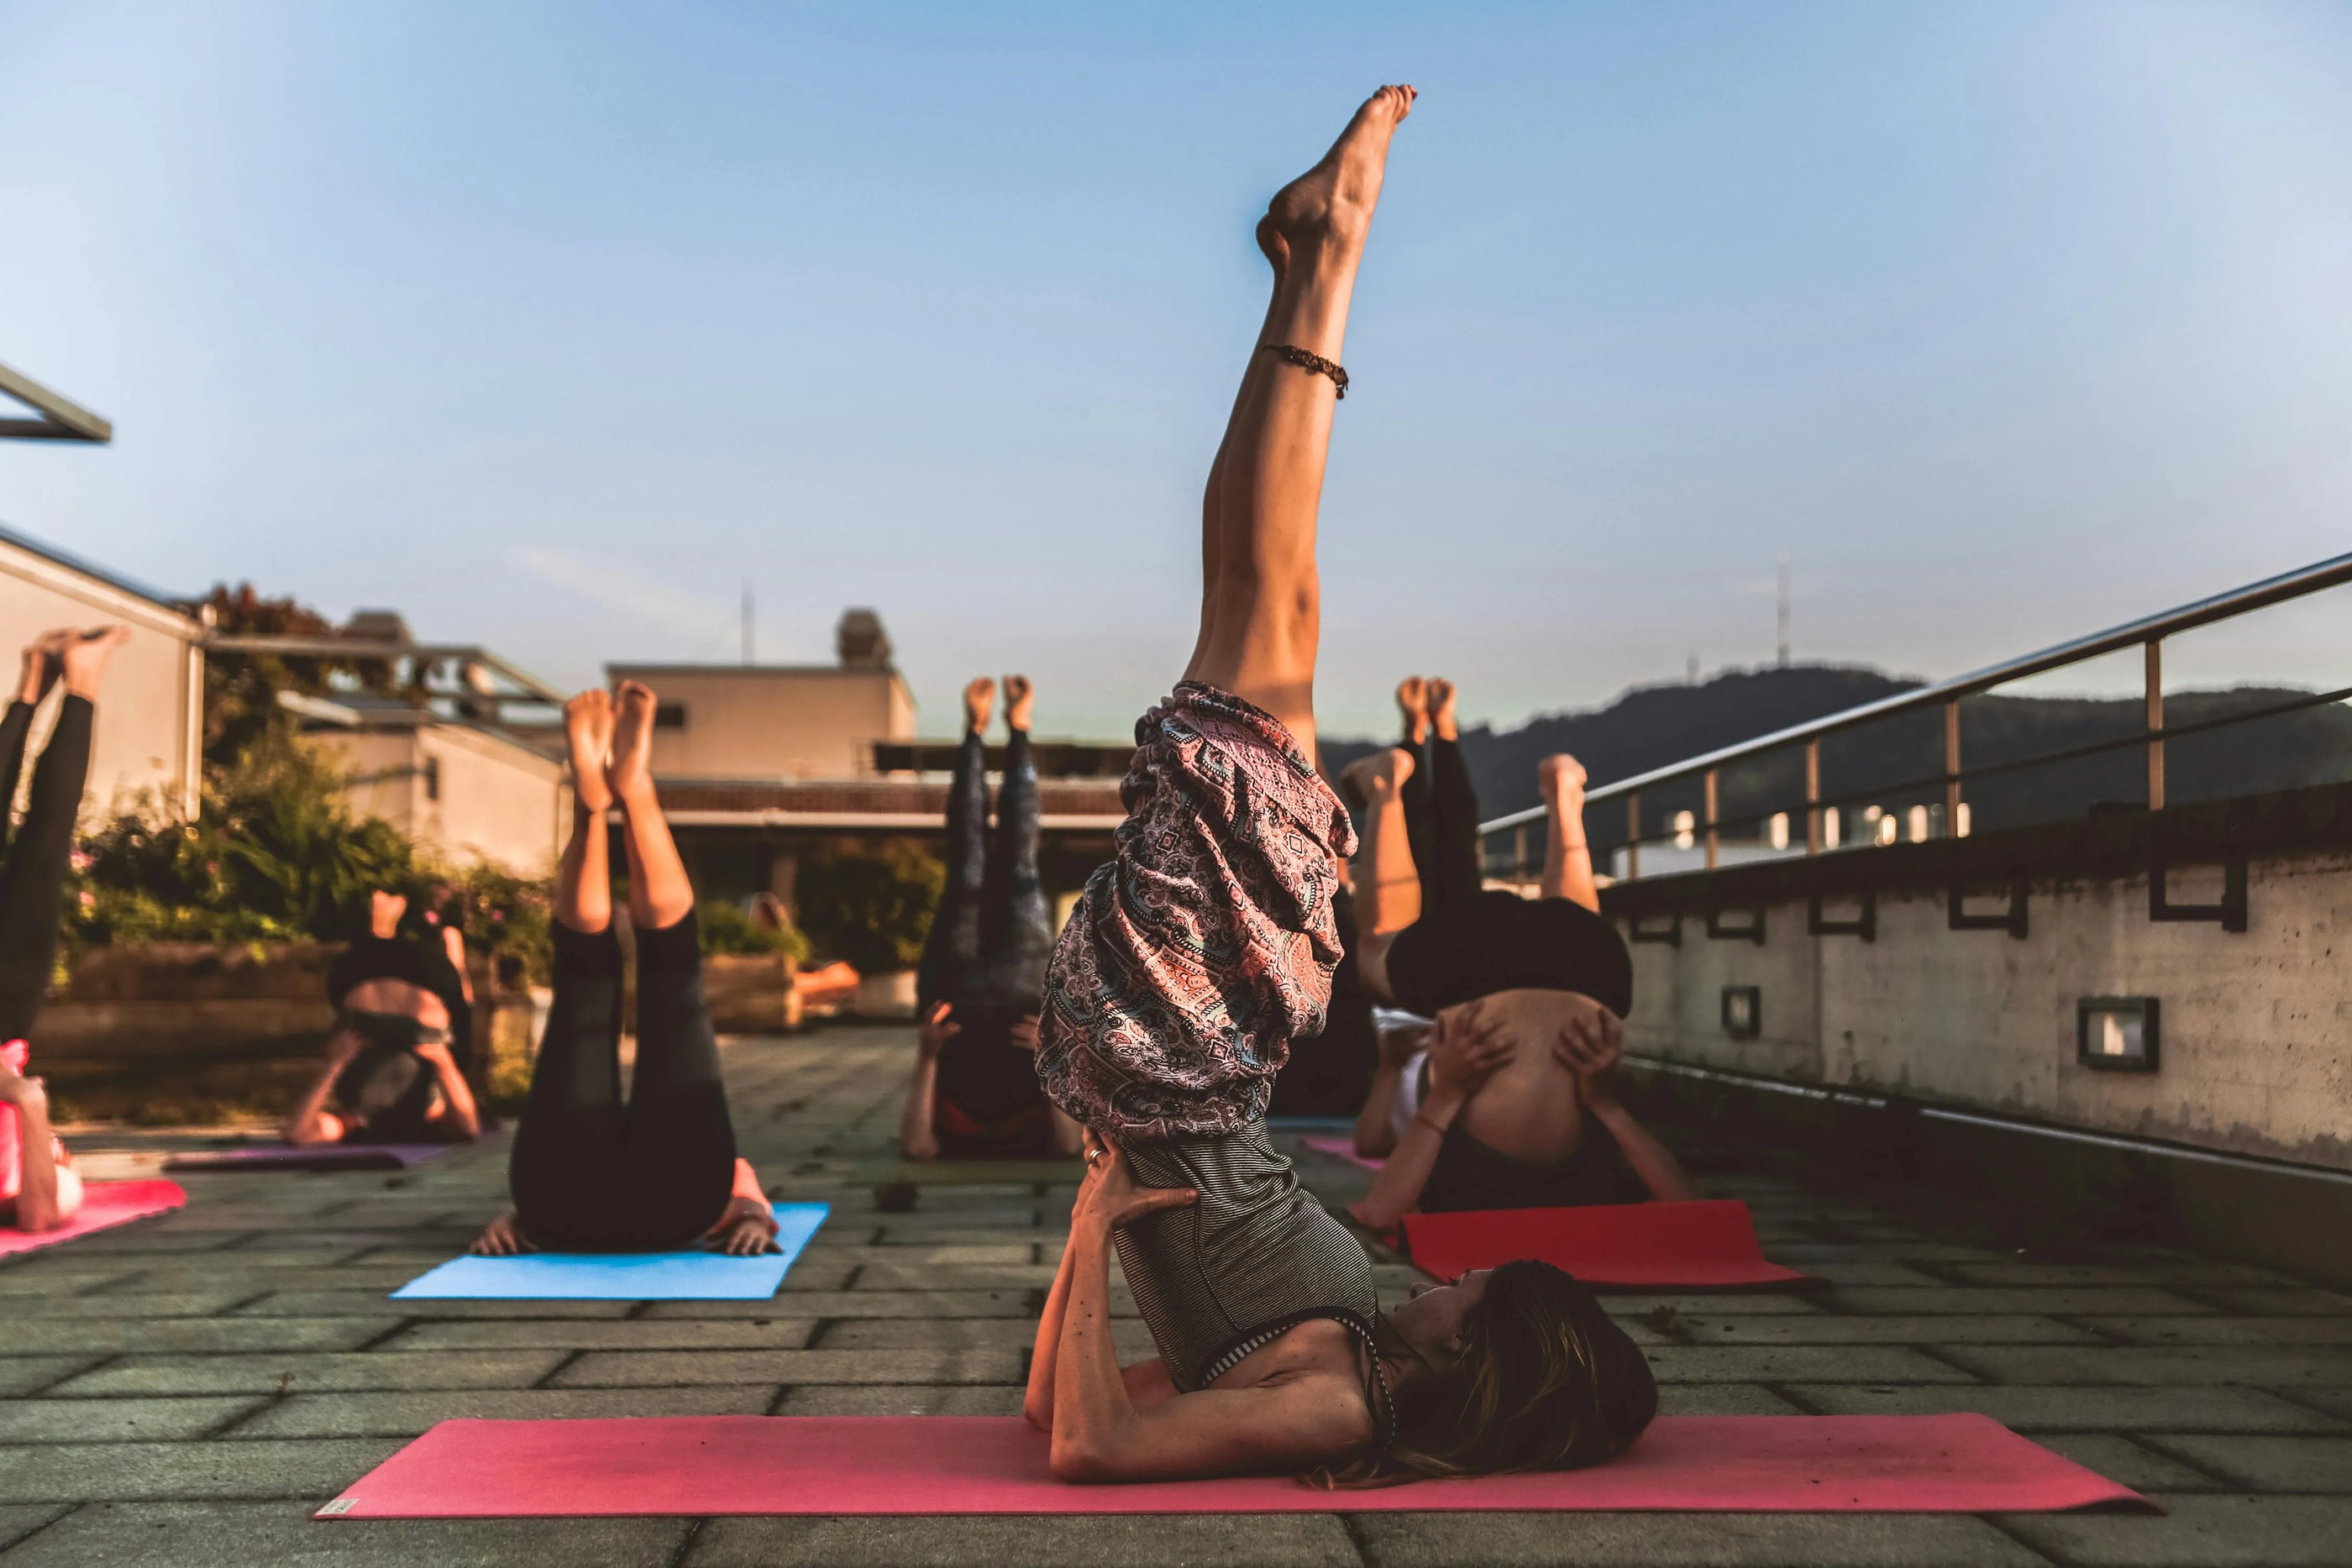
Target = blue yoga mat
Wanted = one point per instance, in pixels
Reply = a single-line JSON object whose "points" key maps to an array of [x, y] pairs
{"points": [[693, 1276]]}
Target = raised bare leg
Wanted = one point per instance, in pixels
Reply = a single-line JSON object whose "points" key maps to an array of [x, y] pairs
{"points": [[660, 896], [1388, 884], [583, 883], [1261, 615], [1567, 859]]}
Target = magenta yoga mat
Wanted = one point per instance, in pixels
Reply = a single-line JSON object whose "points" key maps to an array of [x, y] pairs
{"points": [[699, 1466]]}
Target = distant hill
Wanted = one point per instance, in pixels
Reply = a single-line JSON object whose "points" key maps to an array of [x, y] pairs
{"points": [[1651, 727]]}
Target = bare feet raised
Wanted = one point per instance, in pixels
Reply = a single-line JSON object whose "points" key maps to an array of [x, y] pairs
{"points": [[83, 657], [1380, 775], [41, 664], [1441, 708], [978, 702], [1561, 778], [1332, 202], [1020, 701], [1412, 701], [588, 731], [631, 774]]}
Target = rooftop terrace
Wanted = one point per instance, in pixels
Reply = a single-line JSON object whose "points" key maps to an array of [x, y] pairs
{"points": [[188, 1389]]}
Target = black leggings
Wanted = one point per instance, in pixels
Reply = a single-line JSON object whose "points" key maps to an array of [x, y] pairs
{"points": [[1440, 822], [34, 879], [993, 935], [590, 1174]]}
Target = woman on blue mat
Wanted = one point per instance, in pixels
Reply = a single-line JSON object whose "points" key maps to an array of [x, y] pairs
{"points": [[1196, 957], [1529, 996], [975, 1092], [660, 1173], [40, 1189], [396, 1065]]}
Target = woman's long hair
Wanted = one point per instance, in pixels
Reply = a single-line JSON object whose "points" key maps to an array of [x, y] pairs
{"points": [[1546, 1381]]}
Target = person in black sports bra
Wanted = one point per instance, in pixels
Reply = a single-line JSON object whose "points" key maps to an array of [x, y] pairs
{"points": [[1192, 961], [1528, 997]]}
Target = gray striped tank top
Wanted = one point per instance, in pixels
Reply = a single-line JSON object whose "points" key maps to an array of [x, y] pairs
{"points": [[1256, 1255]]}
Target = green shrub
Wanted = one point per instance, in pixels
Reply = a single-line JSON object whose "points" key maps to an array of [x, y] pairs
{"points": [[871, 907], [726, 928]]}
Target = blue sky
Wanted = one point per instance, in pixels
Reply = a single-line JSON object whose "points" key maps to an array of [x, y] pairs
{"points": [[553, 324]]}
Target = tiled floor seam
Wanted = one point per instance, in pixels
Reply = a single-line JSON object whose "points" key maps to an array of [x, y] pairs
{"points": [[10, 1543], [1352, 1525], [2000, 1523], [547, 1379]]}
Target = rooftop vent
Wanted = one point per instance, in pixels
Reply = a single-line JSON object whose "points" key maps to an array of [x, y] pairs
{"points": [[864, 644]]}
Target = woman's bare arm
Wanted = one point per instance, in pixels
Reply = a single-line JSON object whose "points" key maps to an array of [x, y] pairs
{"points": [[310, 1121], [918, 1137], [1591, 1048], [1463, 1054], [464, 1117], [1102, 1432]]}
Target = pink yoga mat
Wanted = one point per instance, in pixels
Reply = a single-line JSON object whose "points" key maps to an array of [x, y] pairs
{"points": [[1646, 1245], [704, 1465], [104, 1205], [1341, 1148]]}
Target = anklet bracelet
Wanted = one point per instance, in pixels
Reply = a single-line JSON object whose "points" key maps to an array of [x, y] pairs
{"points": [[1306, 361]]}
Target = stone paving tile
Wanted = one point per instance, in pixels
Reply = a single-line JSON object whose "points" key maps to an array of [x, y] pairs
{"points": [[2282, 1301], [29, 1278], [1722, 1400], [1799, 1363], [2065, 1302], [1687, 1541], [2104, 1410], [2184, 1272], [2166, 1366], [898, 1399], [2134, 1464], [136, 1304], [70, 1472], [666, 1333], [1714, 1304], [22, 1374], [309, 1373], [2225, 1330], [907, 1277], [1833, 1329], [669, 1369], [2200, 1531], [175, 1535], [19, 1520], [2335, 1402], [116, 1420], [1864, 1271], [2271, 1464], [351, 1277], [1133, 1541], [117, 1336], [410, 1415], [1018, 1304]]}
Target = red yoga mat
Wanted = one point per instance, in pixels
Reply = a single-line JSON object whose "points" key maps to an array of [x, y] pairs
{"points": [[1643, 1246], [705, 1465], [104, 1203]]}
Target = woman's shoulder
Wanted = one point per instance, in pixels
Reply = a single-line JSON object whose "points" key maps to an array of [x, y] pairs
{"points": [[1317, 1347]]}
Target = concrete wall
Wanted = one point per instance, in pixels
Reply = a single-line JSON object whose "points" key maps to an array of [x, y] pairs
{"points": [[473, 795], [749, 722], [150, 714], [2256, 1027]]}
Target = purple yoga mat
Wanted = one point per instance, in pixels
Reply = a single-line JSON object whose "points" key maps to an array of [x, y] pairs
{"points": [[316, 1158]]}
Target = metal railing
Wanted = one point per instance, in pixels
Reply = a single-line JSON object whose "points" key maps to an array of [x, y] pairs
{"points": [[2147, 633]]}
